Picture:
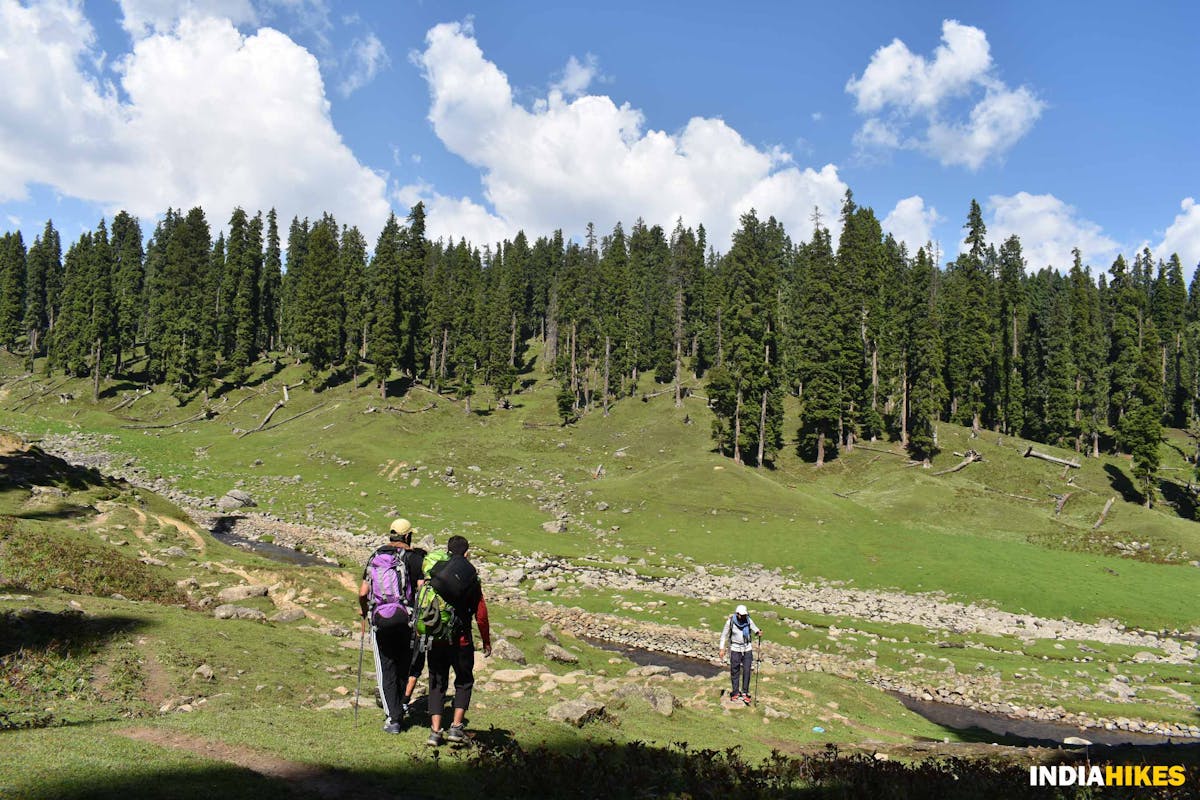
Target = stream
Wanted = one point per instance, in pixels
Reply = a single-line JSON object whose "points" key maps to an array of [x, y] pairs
{"points": [[974, 724]]}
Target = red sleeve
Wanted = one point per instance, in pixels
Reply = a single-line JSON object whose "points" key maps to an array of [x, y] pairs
{"points": [[481, 619]]}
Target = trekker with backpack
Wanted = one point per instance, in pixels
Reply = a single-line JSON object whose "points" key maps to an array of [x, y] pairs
{"points": [[385, 599], [416, 556], [739, 631], [450, 598]]}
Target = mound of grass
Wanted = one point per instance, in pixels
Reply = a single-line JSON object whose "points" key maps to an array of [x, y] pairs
{"points": [[37, 559]]}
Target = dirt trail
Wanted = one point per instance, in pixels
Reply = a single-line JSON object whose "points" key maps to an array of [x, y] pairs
{"points": [[306, 779], [184, 528]]}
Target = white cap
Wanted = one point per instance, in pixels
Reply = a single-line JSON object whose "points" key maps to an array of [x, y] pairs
{"points": [[741, 611]]}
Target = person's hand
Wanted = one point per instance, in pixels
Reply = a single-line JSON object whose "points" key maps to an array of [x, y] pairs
{"points": [[363, 625], [720, 654], [487, 651]]}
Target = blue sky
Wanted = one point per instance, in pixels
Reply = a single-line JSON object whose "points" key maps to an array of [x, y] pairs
{"points": [[1073, 125]]}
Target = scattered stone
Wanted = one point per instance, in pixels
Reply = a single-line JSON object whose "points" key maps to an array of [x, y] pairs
{"points": [[233, 594], [555, 526], [506, 650], [576, 712], [602, 506], [228, 611], [545, 585], [203, 672], [235, 499], [553, 652], [658, 698], [1076, 740], [154, 562], [513, 675], [773, 713], [546, 632], [289, 615], [175, 552], [340, 704], [647, 671]]}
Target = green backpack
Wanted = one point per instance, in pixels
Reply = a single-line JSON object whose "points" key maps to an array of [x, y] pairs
{"points": [[434, 616]]}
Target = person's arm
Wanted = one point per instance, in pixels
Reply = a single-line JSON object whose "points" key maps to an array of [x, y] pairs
{"points": [[363, 591], [754, 628], [481, 619], [724, 638]]}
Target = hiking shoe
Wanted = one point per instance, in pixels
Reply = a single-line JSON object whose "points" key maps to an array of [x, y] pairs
{"points": [[391, 727], [734, 697], [456, 734], [745, 698], [435, 739]]}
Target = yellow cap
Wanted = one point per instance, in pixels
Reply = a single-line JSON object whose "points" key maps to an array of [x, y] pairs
{"points": [[400, 527]]}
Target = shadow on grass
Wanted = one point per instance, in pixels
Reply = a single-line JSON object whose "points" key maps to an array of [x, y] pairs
{"points": [[36, 467], [1121, 484], [496, 767], [1183, 501], [69, 632]]}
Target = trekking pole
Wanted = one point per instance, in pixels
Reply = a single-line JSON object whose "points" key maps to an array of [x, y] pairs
{"points": [[362, 636], [757, 669]]}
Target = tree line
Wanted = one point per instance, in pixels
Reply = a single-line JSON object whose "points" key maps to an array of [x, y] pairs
{"points": [[872, 340]]}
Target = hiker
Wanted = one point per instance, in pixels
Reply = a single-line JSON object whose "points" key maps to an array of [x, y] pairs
{"points": [[385, 600], [417, 665], [456, 581], [738, 631]]}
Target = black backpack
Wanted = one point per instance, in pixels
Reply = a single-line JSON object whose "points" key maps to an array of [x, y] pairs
{"points": [[457, 582]]}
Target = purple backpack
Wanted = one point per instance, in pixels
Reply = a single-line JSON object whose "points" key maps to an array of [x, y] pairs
{"points": [[390, 595]]}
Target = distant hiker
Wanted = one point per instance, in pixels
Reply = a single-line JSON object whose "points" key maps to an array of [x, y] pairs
{"points": [[739, 631], [385, 599], [450, 598]]}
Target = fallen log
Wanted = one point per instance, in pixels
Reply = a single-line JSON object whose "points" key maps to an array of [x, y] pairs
{"points": [[1060, 501], [878, 450], [398, 410], [128, 401], [207, 413], [278, 405], [1104, 513], [1031, 453], [969, 457], [286, 421]]}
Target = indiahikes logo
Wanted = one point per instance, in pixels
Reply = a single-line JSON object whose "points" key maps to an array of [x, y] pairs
{"points": [[1111, 775]]}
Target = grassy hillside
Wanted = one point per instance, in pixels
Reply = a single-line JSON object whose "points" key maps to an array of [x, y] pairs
{"points": [[101, 696]]}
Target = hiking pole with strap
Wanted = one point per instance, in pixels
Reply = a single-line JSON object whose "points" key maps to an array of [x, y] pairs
{"points": [[362, 636]]}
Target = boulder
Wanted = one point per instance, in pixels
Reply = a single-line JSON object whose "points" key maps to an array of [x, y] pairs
{"points": [[203, 672], [1076, 740], [229, 611], [553, 652], [546, 632], [504, 649], [235, 499], [233, 594], [576, 712], [513, 675], [175, 552], [153, 562], [288, 615], [658, 698], [648, 670], [555, 526]]}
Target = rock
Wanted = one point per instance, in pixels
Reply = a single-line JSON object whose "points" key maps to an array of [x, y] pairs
{"points": [[340, 704], [427, 544], [233, 594], [576, 712], [235, 499], [555, 526], [775, 714], [553, 652], [288, 615], [504, 649], [513, 675], [647, 671], [203, 672], [602, 506], [449, 472], [547, 585], [175, 552], [229, 611], [658, 698], [1076, 740], [188, 583], [546, 632], [154, 562]]}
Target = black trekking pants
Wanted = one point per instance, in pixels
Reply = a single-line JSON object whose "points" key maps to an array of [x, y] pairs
{"points": [[393, 654], [741, 663], [441, 658]]}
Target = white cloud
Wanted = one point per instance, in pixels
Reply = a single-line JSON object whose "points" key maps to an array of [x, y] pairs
{"points": [[213, 118], [564, 163], [1049, 230], [912, 223], [1183, 237], [142, 18], [367, 57], [577, 76], [899, 89]]}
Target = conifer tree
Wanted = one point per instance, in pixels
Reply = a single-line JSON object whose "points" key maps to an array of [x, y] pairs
{"points": [[926, 391], [822, 354], [413, 253], [383, 279], [297, 248], [318, 314], [181, 311], [1010, 404], [1089, 346], [969, 347], [128, 285], [269, 288], [12, 289], [355, 296]]}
